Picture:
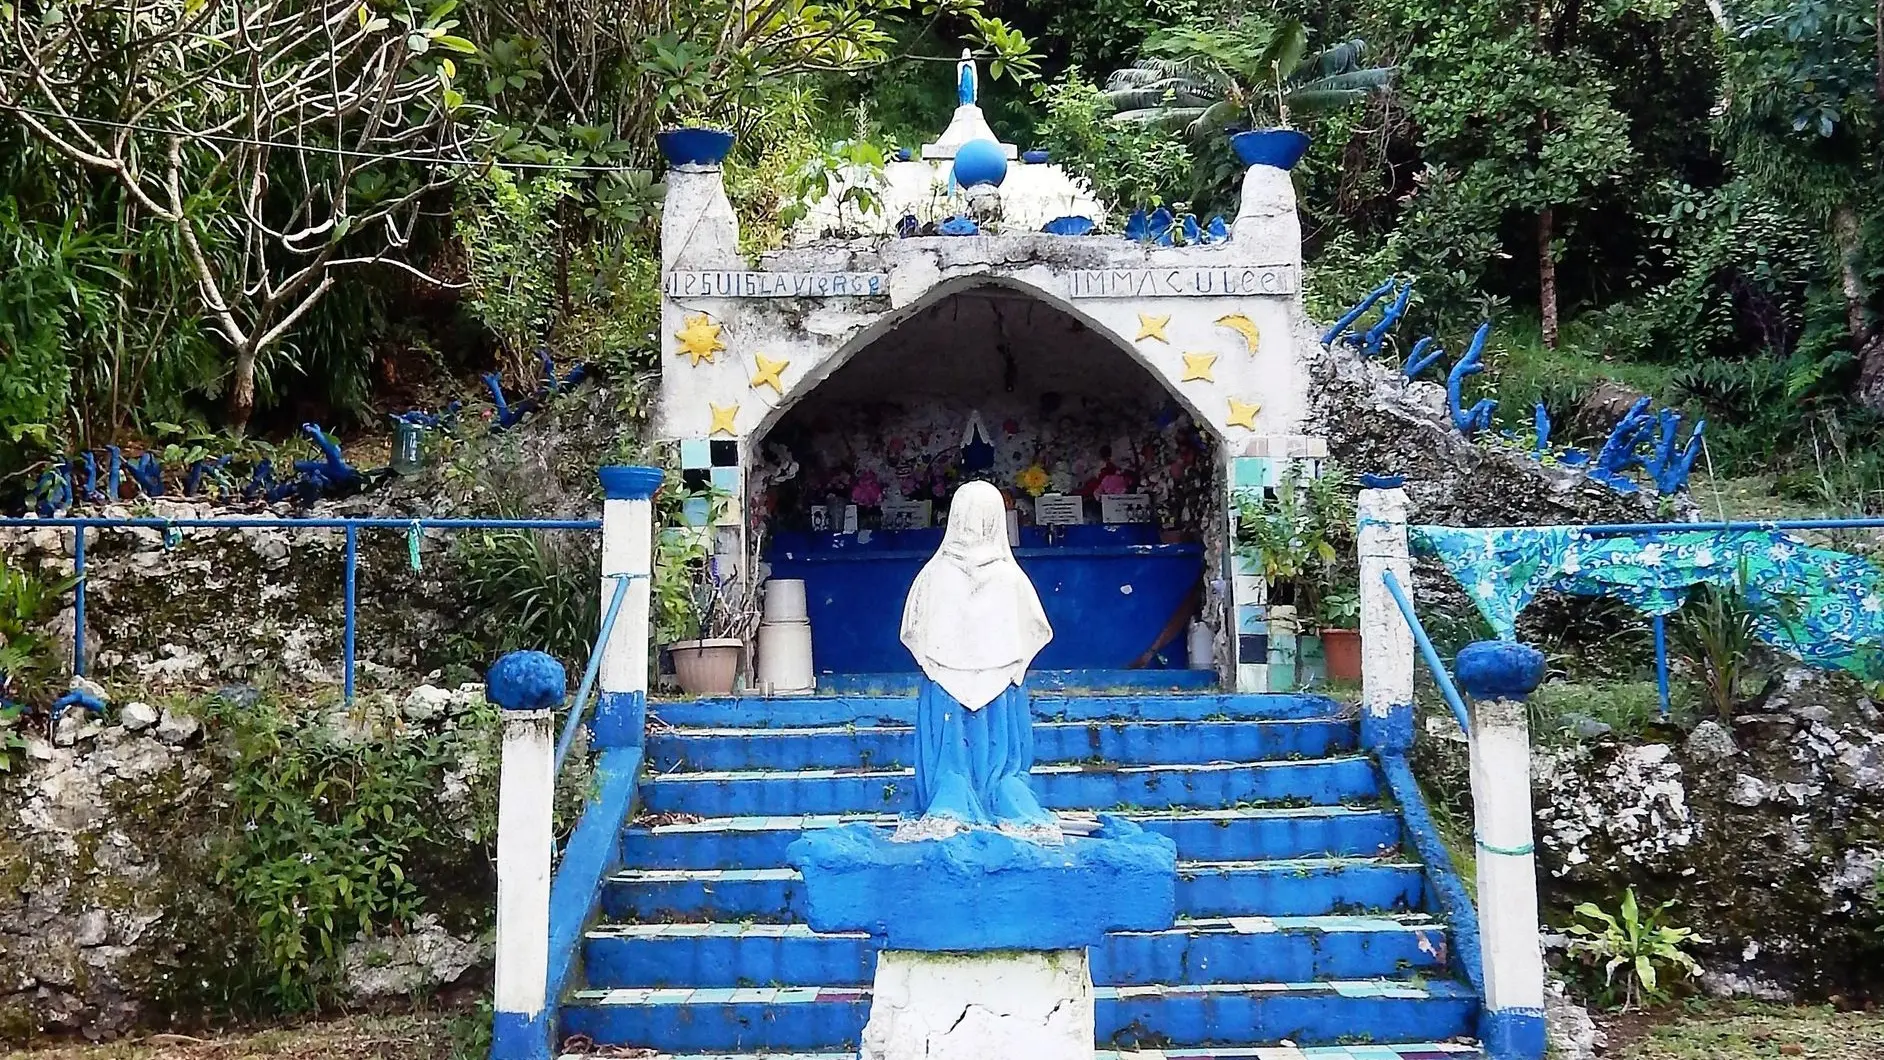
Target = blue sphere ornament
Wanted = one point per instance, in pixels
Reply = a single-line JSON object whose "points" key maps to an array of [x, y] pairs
{"points": [[980, 162], [526, 680], [1499, 669]]}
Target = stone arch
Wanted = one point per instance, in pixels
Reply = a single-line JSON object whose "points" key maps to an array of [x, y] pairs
{"points": [[940, 292]]}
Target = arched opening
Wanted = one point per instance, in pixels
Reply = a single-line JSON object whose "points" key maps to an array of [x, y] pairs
{"points": [[1115, 493]]}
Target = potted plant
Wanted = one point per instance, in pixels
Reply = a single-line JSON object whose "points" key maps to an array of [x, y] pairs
{"points": [[1296, 535], [722, 619], [696, 98], [1340, 616], [1248, 78]]}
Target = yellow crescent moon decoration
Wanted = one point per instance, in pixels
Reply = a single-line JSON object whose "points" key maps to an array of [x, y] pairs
{"points": [[1245, 327]]}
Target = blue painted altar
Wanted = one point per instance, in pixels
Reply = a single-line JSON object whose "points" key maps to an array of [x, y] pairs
{"points": [[855, 585]]}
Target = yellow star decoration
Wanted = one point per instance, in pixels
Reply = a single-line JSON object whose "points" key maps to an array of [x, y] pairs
{"points": [[723, 419], [768, 373], [1197, 366], [1152, 327], [699, 339], [1243, 326], [1243, 414]]}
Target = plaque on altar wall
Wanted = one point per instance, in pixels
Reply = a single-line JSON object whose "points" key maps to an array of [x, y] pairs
{"points": [[907, 515], [1059, 509], [1125, 508]]}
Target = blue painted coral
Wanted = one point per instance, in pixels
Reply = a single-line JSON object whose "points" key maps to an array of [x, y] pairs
{"points": [[526, 680]]}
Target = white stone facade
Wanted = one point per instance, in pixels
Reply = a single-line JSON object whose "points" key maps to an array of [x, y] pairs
{"points": [[1221, 327]]}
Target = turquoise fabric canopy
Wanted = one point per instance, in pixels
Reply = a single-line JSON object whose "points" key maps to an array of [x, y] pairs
{"points": [[1832, 611]]}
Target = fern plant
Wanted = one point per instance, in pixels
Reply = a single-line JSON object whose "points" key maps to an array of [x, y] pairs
{"points": [[1718, 633], [1636, 944], [1253, 73], [28, 662]]}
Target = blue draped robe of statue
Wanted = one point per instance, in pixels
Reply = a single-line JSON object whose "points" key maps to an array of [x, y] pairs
{"points": [[972, 765]]}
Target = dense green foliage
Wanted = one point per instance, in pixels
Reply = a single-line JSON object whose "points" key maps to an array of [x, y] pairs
{"points": [[1639, 192]]}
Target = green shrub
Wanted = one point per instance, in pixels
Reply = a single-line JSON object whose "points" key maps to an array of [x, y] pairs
{"points": [[330, 837], [1637, 945]]}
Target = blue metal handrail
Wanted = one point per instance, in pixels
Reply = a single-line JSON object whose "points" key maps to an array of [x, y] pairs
{"points": [[351, 525], [589, 673], [1441, 676], [1632, 529]]}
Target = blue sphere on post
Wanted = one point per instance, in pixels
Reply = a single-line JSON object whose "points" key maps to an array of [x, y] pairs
{"points": [[526, 680], [980, 162], [1499, 669]]}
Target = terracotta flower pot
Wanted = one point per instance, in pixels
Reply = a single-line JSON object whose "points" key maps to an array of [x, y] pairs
{"points": [[1341, 649], [707, 667]]}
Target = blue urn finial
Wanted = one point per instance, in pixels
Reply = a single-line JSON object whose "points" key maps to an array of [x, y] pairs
{"points": [[1499, 669], [526, 680], [967, 81]]}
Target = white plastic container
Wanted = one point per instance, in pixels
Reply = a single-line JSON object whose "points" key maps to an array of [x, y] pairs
{"points": [[785, 655], [1203, 647], [785, 600]]}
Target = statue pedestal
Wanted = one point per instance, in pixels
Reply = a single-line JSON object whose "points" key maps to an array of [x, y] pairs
{"points": [[980, 1006], [984, 933]]}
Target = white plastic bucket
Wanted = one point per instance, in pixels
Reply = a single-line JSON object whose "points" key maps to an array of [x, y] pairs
{"points": [[785, 600], [785, 654]]}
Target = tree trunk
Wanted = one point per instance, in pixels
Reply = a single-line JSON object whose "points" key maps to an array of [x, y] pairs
{"points": [[242, 390], [1870, 347], [1547, 276], [1845, 235]]}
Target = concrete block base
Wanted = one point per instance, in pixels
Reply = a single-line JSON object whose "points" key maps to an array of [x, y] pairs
{"points": [[1036, 1004]]}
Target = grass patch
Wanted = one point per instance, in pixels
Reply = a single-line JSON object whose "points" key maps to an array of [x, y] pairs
{"points": [[1752, 1032], [1527, 371], [1630, 708], [448, 1036]]}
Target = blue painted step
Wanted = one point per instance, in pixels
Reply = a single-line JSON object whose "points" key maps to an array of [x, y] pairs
{"points": [[757, 712], [1323, 781], [768, 1019], [1309, 887], [1247, 834], [1234, 950], [904, 683], [1123, 742]]}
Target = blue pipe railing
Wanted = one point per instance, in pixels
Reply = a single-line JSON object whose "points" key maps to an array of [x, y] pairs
{"points": [[1441, 676], [1636, 529], [352, 526], [589, 673]]}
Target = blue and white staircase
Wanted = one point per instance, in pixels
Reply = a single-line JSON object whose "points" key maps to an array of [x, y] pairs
{"points": [[1303, 920]]}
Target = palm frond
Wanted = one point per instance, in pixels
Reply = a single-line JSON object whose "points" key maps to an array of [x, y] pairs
{"points": [[1336, 59], [1285, 50], [1162, 117]]}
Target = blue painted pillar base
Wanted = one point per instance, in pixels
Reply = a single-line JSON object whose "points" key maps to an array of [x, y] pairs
{"points": [[1514, 1034], [621, 719], [1391, 734], [515, 1036]]}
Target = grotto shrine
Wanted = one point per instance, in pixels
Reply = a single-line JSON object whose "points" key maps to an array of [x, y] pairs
{"points": [[1120, 390]]}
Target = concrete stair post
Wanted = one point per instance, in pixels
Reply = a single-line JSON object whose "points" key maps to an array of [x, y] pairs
{"points": [[1500, 676]]}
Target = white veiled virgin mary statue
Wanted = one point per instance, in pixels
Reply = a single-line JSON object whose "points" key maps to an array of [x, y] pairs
{"points": [[974, 623]]}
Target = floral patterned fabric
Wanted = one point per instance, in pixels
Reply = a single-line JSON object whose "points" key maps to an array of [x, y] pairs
{"points": [[1833, 601]]}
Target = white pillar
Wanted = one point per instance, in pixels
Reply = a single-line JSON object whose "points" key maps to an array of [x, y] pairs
{"points": [[1386, 639], [1266, 217], [1499, 675], [519, 1025], [627, 553]]}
